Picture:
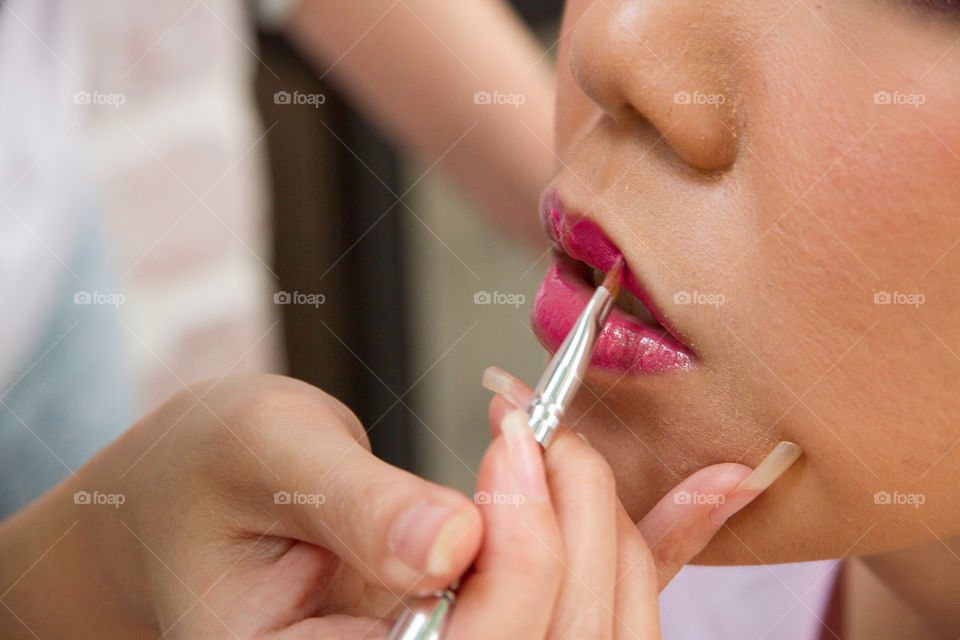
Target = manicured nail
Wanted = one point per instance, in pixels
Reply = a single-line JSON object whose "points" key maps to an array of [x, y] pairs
{"points": [[439, 559], [499, 381], [525, 456], [424, 536], [772, 467]]}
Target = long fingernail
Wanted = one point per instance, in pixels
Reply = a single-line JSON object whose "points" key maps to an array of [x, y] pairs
{"points": [[499, 381], [771, 468], [424, 536], [525, 456]]}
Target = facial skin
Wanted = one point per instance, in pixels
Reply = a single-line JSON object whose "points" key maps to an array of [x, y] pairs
{"points": [[798, 199]]}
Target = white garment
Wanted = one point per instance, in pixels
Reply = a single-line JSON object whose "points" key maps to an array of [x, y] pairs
{"points": [[39, 189], [774, 602]]}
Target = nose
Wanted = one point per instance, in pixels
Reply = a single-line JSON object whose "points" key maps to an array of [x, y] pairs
{"points": [[666, 64]]}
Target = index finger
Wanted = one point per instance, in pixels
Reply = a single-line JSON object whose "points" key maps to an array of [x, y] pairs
{"points": [[511, 592]]}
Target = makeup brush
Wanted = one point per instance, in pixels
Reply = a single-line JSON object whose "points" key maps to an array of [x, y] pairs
{"points": [[424, 618], [563, 376]]}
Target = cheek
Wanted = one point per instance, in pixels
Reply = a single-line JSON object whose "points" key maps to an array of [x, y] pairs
{"points": [[856, 325]]}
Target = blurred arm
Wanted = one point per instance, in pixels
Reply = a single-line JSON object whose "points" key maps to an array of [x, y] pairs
{"points": [[414, 67]]}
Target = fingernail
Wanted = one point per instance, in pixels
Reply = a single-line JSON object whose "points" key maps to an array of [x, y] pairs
{"points": [[496, 379], [525, 456], [732, 503], [771, 468], [583, 437], [499, 381], [424, 536]]}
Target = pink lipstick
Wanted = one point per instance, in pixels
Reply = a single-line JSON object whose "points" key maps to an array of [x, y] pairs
{"points": [[635, 340]]}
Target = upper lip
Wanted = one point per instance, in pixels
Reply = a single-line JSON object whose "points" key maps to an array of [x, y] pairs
{"points": [[583, 239]]}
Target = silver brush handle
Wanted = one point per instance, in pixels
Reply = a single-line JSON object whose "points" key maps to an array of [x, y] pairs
{"points": [[424, 618], [563, 376]]}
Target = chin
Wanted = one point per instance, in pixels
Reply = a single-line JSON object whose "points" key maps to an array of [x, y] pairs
{"points": [[653, 440]]}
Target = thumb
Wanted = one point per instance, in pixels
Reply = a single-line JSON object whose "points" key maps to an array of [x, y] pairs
{"points": [[684, 521], [397, 530]]}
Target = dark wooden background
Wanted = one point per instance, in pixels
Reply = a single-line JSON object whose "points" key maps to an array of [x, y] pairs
{"points": [[356, 345]]}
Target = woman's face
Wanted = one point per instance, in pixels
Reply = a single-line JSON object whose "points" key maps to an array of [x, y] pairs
{"points": [[783, 180]]}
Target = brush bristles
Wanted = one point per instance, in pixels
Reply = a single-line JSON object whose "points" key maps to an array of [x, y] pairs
{"points": [[613, 278]]}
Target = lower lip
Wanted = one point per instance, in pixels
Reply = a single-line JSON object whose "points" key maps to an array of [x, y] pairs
{"points": [[625, 345]]}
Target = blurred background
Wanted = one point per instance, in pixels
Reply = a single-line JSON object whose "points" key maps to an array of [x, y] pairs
{"points": [[220, 199]]}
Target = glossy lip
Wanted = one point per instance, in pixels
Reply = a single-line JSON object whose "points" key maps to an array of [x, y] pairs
{"points": [[582, 239], [626, 345]]}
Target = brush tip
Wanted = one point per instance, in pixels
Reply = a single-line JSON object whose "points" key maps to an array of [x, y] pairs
{"points": [[613, 278]]}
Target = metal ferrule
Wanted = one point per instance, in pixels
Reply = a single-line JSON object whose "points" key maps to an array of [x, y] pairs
{"points": [[559, 383], [424, 618]]}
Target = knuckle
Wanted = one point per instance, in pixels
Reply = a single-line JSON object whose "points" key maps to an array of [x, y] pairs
{"points": [[256, 406], [589, 471], [598, 471], [224, 420], [351, 506], [570, 453], [361, 492], [348, 419], [539, 560]]}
